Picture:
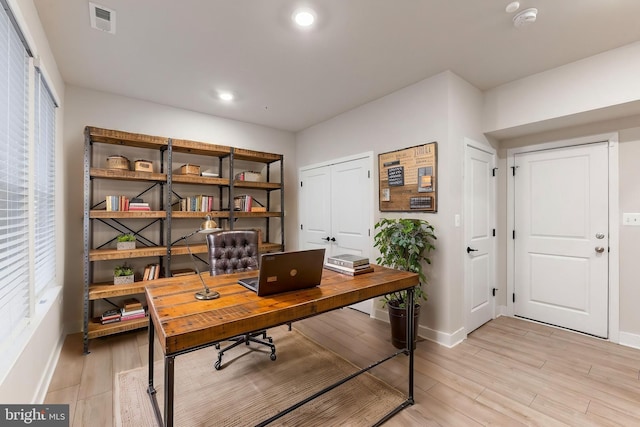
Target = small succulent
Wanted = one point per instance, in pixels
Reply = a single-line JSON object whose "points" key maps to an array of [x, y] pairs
{"points": [[122, 270], [127, 237]]}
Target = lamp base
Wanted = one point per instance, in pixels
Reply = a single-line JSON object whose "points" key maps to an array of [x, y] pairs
{"points": [[207, 295]]}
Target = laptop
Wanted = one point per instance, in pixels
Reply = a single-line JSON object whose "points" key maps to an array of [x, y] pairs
{"points": [[286, 271]]}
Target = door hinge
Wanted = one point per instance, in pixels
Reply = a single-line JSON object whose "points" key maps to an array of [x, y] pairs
{"points": [[493, 171], [369, 232], [300, 226], [513, 298], [493, 291], [494, 232], [514, 234], [513, 170], [300, 183], [368, 174]]}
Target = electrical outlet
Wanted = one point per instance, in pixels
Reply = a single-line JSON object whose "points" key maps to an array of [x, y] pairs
{"points": [[631, 219]]}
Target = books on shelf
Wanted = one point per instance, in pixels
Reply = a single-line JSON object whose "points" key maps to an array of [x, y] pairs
{"points": [[131, 304], [247, 203], [182, 272], [110, 316], [348, 260], [151, 272], [200, 203], [132, 314], [122, 203]]}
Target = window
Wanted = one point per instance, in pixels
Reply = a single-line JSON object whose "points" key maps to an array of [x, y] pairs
{"points": [[27, 184], [44, 200]]}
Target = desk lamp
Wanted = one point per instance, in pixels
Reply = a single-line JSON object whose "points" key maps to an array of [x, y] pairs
{"points": [[207, 226]]}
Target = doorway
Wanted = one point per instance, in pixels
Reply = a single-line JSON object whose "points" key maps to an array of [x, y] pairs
{"points": [[336, 208], [562, 228], [479, 232]]}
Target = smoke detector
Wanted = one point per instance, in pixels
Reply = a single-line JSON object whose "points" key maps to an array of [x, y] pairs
{"points": [[102, 18], [526, 17]]}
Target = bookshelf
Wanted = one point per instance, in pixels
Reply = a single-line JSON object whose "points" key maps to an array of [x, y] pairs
{"points": [[156, 229]]}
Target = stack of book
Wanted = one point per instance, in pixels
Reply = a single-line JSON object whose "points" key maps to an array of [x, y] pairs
{"points": [[348, 264], [151, 272], [132, 309], [141, 206], [117, 203], [111, 316]]}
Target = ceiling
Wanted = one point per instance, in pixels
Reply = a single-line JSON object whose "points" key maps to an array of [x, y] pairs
{"points": [[181, 53]]}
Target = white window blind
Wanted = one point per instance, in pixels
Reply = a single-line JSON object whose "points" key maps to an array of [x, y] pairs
{"points": [[14, 233], [44, 203]]}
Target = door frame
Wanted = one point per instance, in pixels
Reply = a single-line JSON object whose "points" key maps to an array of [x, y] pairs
{"points": [[491, 151], [614, 222], [369, 157]]}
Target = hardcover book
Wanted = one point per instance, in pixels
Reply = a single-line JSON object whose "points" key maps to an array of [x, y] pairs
{"points": [[348, 260]]}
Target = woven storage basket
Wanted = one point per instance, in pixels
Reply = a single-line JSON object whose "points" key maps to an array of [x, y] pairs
{"points": [[118, 162]]}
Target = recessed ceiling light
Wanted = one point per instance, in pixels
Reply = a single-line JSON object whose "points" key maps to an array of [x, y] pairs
{"points": [[225, 96], [512, 7], [304, 17]]}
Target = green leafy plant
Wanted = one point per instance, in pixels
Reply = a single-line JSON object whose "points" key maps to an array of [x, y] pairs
{"points": [[126, 237], [404, 244], [122, 270]]}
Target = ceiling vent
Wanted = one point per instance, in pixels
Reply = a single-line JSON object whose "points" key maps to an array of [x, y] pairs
{"points": [[102, 18]]}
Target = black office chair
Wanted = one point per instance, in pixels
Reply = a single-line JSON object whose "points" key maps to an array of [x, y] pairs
{"points": [[230, 252]]}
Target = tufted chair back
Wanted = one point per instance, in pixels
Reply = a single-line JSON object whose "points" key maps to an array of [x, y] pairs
{"points": [[232, 251]]}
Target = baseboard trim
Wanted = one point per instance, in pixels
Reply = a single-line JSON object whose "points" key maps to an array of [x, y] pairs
{"points": [[630, 340], [439, 337]]}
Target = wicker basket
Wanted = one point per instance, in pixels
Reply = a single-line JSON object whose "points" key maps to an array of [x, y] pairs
{"points": [[190, 169], [143, 166], [118, 162]]}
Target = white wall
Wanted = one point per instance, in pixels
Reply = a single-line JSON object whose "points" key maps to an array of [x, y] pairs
{"points": [[34, 354], [93, 108], [445, 109]]}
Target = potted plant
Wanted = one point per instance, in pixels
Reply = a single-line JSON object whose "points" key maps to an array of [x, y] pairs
{"points": [[122, 275], [404, 244], [126, 241]]}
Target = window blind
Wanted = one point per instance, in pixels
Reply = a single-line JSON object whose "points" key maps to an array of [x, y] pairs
{"points": [[44, 201], [14, 233]]}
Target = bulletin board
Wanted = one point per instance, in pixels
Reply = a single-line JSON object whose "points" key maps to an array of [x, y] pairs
{"points": [[408, 179]]}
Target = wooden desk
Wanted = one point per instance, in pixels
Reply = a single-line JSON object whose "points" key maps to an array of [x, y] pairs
{"points": [[184, 324]]}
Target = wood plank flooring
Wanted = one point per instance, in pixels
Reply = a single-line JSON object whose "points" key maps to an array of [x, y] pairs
{"points": [[509, 372]]}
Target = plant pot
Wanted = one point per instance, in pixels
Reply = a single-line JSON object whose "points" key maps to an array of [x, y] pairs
{"points": [[123, 246], [123, 280], [398, 321]]}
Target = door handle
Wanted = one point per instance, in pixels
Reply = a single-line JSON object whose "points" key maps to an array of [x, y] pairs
{"points": [[326, 238], [469, 250], [333, 239], [599, 249]]}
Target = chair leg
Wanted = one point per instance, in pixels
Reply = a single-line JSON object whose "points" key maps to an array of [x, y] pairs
{"points": [[247, 339]]}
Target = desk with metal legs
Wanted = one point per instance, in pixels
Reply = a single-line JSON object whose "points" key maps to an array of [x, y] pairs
{"points": [[184, 324]]}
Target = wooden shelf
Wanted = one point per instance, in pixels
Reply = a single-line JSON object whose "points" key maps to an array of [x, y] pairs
{"points": [[127, 214], [97, 329], [108, 136], [201, 148], [111, 254], [238, 214], [199, 180], [257, 185], [199, 215], [255, 156], [127, 175], [106, 290]]}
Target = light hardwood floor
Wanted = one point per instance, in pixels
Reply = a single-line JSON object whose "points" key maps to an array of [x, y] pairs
{"points": [[509, 372]]}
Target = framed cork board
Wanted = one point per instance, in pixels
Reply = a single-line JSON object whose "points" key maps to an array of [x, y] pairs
{"points": [[408, 179]]}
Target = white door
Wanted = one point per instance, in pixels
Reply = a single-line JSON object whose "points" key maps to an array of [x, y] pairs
{"points": [[561, 237], [335, 210], [479, 231]]}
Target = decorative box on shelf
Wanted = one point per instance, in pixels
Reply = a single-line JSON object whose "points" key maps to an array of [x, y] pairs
{"points": [[190, 169], [118, 162], [249, 176], [143, 166]]}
